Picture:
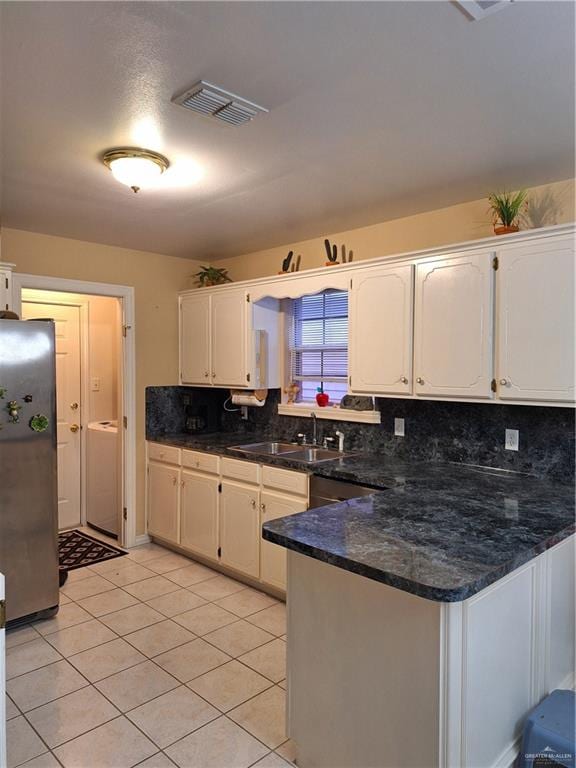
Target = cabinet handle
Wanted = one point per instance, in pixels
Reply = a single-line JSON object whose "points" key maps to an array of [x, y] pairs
{"points": [[404, 380], [174, 480], [263, 508], [253, 503], [419, 380], [182, 483], [213, 374], [197, 464], [504, 382], [206, 374]]}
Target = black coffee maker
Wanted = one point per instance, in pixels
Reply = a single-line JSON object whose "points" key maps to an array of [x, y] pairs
{"points": [[201, 417]]}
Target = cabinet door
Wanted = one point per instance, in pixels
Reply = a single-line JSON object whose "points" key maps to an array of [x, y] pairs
{"points": [[240, 528], [380, 336], [273, 557], [199, 514], [5, 289], [453, 327], [536, 321], [195, 339], [229, 356], [163, 497]]}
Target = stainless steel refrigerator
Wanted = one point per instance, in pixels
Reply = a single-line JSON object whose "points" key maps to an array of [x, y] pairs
{"points": [[28, 468]]}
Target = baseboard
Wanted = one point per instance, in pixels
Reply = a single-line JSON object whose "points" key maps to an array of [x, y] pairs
{"points": [[142, 539]]}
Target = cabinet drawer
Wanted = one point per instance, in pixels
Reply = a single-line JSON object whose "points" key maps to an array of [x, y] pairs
{"points": [[165, 453], [203, 462], [285, 480], [241, 470]]}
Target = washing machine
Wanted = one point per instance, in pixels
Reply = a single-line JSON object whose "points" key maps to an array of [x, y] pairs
{"points": [[102, 457]]}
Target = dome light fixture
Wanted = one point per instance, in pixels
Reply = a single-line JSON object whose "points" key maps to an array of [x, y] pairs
{"points": [[135, 167]]}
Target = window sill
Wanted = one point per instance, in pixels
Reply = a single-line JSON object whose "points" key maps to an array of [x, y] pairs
{"points": [[331, 412]]}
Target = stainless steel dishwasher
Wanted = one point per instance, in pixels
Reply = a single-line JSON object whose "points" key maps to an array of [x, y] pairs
{"points": [[324, 491]]}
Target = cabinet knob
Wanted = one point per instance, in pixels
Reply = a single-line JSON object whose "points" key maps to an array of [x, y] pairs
{"points": [[197, 464], [263, 508], [253, 503], [206, 374], [182, 483], [419, 380], [213, 374], [174, 480], [503, 382], [404, 380]]}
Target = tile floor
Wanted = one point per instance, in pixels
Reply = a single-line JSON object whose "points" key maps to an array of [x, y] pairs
{"points": [[153, 660]]}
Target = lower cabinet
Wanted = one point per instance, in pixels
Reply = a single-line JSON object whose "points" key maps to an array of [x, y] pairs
{"points": [[199, 514], [273, 557], [240, 528], [163, 500]]}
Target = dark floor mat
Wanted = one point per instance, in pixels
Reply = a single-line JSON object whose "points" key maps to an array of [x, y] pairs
{"points": [[77, 550]]}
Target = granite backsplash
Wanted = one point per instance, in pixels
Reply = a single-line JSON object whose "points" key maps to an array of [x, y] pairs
{"points": [[471, 433]]}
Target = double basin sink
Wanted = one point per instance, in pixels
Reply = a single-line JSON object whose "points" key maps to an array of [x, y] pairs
{"points": [[293, 451]]}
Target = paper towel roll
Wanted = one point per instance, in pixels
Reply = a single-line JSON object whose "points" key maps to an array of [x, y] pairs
{"points": [[243, 398]]}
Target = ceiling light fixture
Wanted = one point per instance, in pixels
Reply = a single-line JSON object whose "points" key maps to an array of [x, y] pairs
{"points": [[135, 167]]}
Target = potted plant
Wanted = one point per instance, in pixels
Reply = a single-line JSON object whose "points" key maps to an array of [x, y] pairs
{"points": [[506, 207], [212, 276]]}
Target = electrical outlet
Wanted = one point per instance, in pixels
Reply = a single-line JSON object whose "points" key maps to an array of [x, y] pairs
{"points": [[399, 427], [512, 439], [511, 509], [244, 412]]}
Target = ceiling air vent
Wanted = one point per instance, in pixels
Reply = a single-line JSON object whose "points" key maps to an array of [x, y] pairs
{"points": [[214, 102], [479, 9]]}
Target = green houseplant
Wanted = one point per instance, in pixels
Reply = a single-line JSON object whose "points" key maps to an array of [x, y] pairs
{"points": [[212, 276], [506, 208]]}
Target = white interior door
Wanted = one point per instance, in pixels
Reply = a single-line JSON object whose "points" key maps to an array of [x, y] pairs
{"points": [[68, 404]]}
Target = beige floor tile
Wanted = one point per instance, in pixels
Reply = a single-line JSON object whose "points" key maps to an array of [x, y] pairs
{"points": [[79, 574], [272, 760], [188, 661], [20, 635], [264, 716], [150, 588], [45, 684], [63, 599], [269, 660], [94, 585], [107, 602], [110, 565], [229, 685], [24, 658], [288, 751], [147, 552], [11, 709], [72, 715], [217, 588], [159, 760], [68, 616], [159, 638], [220, 744], [115, 744], [282, 684], [47, 760], [245, 602], [21, 742], [205, 619], [271, 619], [176, 602], [81, 637], [137, 685], [172, 716], [168, 563], [128, 574], [191, 574], [131, 619], [239, 638], [107, 659]]}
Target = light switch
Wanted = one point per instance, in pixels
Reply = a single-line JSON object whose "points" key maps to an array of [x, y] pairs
{"points": [[95, 384], [399, 427], [512, 439]]}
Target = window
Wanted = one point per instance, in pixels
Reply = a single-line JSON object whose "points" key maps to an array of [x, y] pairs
{"points": [[319, 345]]}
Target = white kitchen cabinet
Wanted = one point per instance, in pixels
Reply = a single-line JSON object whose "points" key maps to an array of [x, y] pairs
{"points": [[273, 557], [240, 528], [229, 358], [163, 500], [195, 348], [453, 326], [380, 331], [535, 317], [199, 513], [6, 285]]}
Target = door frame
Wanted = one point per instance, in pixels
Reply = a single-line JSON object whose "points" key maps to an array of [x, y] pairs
{"points": [[125, 294]]}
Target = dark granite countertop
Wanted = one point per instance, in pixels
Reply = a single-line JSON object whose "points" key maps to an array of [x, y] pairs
{"points": [[440, 531]]}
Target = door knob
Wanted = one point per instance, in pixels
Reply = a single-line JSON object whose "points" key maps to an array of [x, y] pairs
{"points": [[74, 406], [74, 428]]}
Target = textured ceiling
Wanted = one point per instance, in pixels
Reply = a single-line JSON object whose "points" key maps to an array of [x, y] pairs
{"points": [[377, 110]]}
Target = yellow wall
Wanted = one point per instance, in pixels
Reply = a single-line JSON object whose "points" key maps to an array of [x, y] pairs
{"points": [[156, 279], [549, 204]]}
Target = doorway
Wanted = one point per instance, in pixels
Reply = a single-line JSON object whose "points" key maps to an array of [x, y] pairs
{"points": [[95, 399]]}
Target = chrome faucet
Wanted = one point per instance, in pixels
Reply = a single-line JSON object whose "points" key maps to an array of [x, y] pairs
{"points": [[340, 436], [314, 429]]}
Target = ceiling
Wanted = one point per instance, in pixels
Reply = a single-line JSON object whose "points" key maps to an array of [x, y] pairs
{"points": [[377, 110]]}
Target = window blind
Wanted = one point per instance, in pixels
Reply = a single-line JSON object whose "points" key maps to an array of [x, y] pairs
{"points": [[319, 344]]}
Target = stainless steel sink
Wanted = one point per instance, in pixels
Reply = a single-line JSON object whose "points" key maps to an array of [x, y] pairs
{"points": [[314, 455], [273, 448]]}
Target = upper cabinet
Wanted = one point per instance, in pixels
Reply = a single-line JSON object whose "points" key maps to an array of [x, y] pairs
{"points": [[380, 331], [535, 318], [228, 341], [453, 326], [5, 285]]}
